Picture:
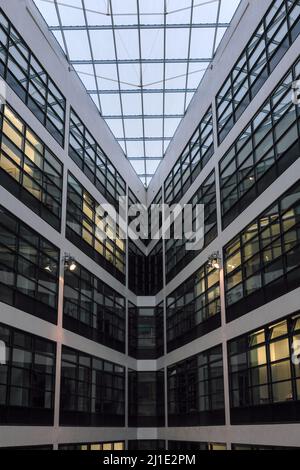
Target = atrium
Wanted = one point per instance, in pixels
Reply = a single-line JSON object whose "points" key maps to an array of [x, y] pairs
{"points": [[125, 325]]}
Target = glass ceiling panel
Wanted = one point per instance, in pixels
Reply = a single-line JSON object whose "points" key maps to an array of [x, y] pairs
{"points": [[141, 62]]}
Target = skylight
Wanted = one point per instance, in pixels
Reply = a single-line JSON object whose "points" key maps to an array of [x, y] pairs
{"points": [[141, 61]]}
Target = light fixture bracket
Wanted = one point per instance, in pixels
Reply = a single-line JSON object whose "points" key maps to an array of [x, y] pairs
{"points": [[214, 260]]}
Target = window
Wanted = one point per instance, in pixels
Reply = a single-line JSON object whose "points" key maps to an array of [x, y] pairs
{"points": [[193, 159], [262, 152], [28, 169], [260, 447], [27, 379], [88, 227], [29, 266], [146, 331], [196, 390], [146, 399], [275, 34], [177, 257], [92, 391], [263, 379], [93, 309], [145, 272], [90, 158], [23, 73], [263, 261], [190, 446], [193, 309], [95, 446]]}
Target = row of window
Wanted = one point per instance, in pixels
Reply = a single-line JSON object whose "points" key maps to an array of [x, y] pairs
{"points": [[154, 445], [27, 379], [90, 158], [260, 447], [94, 446], [196, 390], [93, 309], [264, 383], [262, 152], [28, 169], [146, 406], [177, 257], [190, 446], [29, 268], [92, 391], [264, 374], [263, 261], [25, 75], [193, 309], [93, 232], [275, 34], [193, 159]]}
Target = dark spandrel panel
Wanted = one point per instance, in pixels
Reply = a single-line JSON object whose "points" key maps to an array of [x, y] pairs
{"points": [[263, 375], [177, 257], [27, 381], [91, 159], [146, 399], [92, 391], [193, 309], [28, 169], [29, 80], [193, 159], [29, 268], [93, 309], [275, 34], [196, 390], [263, 151], [84, 227], [262, 263]]}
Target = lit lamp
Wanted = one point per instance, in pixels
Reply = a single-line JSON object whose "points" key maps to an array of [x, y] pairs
{"points": [[214, 260], [48, 268], [69, 262]]}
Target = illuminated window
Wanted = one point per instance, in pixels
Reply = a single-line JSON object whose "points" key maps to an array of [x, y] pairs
{"points": [[83, 216], [26, 159]]}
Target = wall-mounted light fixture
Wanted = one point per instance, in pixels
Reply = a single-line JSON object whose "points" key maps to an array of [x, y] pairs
{"points": [[69, 262], [214, 260], [50, 267]]}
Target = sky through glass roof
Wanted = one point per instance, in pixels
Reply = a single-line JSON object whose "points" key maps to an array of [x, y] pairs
{"points": [[141, 61]]}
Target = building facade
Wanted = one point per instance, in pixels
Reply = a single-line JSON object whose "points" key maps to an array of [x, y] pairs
{"points": [[144, 345]]}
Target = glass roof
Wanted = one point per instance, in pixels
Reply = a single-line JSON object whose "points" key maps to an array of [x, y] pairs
{"points": [[141, 62]]}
